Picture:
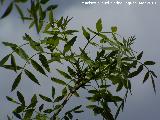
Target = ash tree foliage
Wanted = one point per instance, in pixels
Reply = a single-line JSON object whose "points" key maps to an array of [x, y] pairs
{"points": [[115, 64]]}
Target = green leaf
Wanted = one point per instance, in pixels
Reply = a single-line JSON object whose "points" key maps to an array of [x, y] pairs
{"points": [[58, 81], [135, 73], [44, 62], [149, 62], [85, 33], [71, 72], [48, 111], [21, 98], [51, 16], [53, 92], [68, 46], [64, 74], [116, 98], [28, 114], [99, 25], [59, 98], [153, 83], [76, 108], [17, 115], [140, 56], [19, 109], [114, 29], [41, 107], [11, 100], [37, 67], [44, 1], [51, 7], [13, 63], [31, 76], [45, 98], [3, 61], [19, 11], [22, 54], [8, 10], [59, 23], [64, 91], [153, 74], [16, 81], [146, 77], [33, 102]]}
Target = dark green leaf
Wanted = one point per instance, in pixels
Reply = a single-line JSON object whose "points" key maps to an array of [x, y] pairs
{"points": [[140, 56], [99, 25], [8, 10], [44, 1], [76, 108], [31, 76], [45, 98], [19, 109], [37, 67], [3, 61], [17, 115], [146, 77], [68, 46], [11, 99], [28, 114], [51, 7], [20, 98], [58, 81], [41, 107], [13, 63], [71, 72], [64, 91], [153, 74], [59, 23], [48, 111], [153, 83], [33, 101], [16, 81], [64, 74], [59, 98], [78, 111], [135, 73], [149, 62], [53, 92], [85, 33], [44, 62]]}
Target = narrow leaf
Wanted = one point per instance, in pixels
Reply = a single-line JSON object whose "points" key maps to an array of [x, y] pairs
{"points": [[146, 77], [68, 46], [45, 98], [3, 61], [58, 81], [37, 67], [20, 98], [31, 76], [44, 62], [149, 62], [13, 63], [53, 92], [8, 10], [16, 81]]}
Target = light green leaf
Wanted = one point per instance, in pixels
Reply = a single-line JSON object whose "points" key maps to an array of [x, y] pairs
{"points": [[114, 29], [85, 33], [99, 25]]}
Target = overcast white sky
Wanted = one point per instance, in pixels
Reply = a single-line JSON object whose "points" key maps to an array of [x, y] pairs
{"points": [[142, 21]]}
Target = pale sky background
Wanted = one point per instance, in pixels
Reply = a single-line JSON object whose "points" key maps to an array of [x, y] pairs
{"points": [[141, 21]]}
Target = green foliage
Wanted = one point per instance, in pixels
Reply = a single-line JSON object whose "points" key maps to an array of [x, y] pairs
{"points": [[113, 67]]}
